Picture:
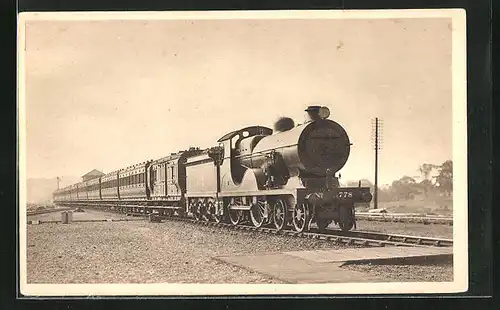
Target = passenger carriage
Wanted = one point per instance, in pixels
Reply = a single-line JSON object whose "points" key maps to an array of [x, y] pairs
{"points": [[109, 187], [94, 189], [167, 182]]}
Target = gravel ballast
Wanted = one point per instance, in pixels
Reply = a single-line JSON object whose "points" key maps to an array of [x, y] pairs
{"points": [[143, 252]]}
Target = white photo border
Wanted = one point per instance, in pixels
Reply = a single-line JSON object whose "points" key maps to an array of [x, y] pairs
{"points": [[460, 205]]}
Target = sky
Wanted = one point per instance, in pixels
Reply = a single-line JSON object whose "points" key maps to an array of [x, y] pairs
{"points": [[108, 94]]}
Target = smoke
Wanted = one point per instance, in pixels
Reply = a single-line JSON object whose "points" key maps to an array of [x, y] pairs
{"points": [[283, 124]]}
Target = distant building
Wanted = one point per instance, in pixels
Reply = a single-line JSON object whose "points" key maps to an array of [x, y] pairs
{"points": [[92, 175]]}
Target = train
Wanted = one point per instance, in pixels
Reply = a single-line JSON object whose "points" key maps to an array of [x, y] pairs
{"points": [[285, 178]]}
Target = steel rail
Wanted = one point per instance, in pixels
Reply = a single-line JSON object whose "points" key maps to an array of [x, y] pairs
{"points": [[407, 239], [349, 237], [33, 222], [36, 212], [404, 218]]}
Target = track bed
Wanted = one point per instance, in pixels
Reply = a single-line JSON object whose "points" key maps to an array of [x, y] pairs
{"points": [[143, 252]]}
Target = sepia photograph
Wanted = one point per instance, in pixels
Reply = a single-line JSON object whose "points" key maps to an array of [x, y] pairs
{"points": [[242, 152]]}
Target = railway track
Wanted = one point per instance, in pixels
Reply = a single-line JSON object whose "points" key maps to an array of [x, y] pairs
{"points": [[404, 239], [404, 218], [350, 238], [81, 221], [36, 212], [360, 238]]}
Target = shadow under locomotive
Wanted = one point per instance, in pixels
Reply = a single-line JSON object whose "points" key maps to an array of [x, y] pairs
{"points": [[286, 176]]}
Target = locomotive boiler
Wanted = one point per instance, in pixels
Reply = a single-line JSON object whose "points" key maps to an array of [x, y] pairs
{"points": [[309, 151]]}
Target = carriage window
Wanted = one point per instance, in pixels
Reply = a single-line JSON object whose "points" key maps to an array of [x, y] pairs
{"points": [[172, 172]]}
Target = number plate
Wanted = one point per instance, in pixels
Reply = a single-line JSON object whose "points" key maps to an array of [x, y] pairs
{"points": [[344, 195]]}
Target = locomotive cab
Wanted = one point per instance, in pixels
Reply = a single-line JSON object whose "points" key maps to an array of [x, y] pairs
{"points": [[235, 144]]}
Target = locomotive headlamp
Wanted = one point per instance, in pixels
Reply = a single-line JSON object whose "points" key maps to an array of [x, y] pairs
{"points": [[324, 112]]}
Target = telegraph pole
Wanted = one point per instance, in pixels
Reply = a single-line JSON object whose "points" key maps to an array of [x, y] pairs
{"points": [[376, 136]]}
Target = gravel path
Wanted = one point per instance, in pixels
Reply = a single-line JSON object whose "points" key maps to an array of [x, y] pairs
{"points": [[415, 229], [143, 252], [407, 273]]}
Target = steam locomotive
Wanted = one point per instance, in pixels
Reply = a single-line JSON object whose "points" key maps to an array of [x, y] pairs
{"points": [[281, 177]]}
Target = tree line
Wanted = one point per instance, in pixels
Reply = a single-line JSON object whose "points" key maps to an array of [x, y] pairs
{"points": [[406, 188]]}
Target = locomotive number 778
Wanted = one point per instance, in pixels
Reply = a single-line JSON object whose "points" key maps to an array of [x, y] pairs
{"points": [[344, 195]]}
